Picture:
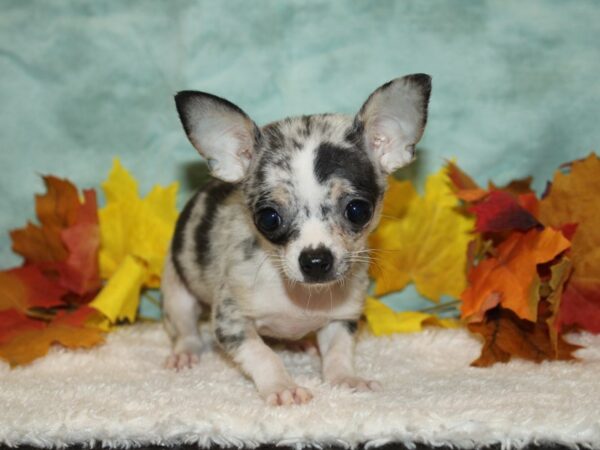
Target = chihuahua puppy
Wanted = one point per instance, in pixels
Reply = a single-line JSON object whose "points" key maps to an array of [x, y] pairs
{"points": [[277, 246]]}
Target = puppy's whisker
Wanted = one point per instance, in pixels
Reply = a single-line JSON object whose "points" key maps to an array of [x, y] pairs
{"points": [[258, 270]]}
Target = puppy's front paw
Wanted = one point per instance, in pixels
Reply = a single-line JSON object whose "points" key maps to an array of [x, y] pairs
{"points": [[291, 395], [183, 360], [357, 384]]}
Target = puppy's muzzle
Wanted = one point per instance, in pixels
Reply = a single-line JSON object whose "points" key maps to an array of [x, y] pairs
{"points": [[316, 264]]}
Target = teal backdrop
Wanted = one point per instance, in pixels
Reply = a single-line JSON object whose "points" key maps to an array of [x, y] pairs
{"points": [[516, 87]]}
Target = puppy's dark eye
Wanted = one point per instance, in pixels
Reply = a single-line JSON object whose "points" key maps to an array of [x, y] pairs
{"points": [[359, 212], [268, 220]]}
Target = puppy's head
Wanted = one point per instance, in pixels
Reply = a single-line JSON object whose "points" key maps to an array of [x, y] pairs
{"points": [[313, 185]]}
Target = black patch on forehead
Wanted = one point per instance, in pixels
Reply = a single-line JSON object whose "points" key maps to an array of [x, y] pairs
{"points": [[216, 193], [350, 164], [274, 152]]}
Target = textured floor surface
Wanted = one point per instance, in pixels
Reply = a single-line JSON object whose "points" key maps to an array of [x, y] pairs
{"points": [[119, 394]]}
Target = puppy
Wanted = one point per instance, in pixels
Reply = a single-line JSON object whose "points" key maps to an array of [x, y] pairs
{"points": [[277, 246]]}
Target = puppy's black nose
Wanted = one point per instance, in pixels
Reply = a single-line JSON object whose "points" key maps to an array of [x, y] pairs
{"points": [[316, 264]]}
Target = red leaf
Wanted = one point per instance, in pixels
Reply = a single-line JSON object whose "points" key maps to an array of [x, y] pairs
{"points": [[500, 211], [13, 322], [80, 272], [568, 230], [580, 306], [76, 318], [530, 203], [27, 287]]}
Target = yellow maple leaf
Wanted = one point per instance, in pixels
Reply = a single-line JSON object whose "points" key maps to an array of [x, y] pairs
{"points": [[135, 236], [422, 239], [384, 320]]}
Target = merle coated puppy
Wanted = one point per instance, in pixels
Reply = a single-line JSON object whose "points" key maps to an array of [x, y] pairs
{"points": [[278, 245]]}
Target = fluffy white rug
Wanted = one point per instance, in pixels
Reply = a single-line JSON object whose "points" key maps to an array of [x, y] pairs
{"points": [[119, 394]]}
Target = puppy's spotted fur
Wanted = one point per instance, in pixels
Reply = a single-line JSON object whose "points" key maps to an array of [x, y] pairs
{"points": [[277, 245]]}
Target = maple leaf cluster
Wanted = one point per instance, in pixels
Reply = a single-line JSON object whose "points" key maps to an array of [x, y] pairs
{"points": [[45, 300], [525, 270], [83, 268], [533, 270]]}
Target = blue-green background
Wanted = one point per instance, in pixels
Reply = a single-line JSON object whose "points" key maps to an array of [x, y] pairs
{"points": [[516, 87]]}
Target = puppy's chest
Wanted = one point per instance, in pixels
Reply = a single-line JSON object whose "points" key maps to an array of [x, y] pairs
{"points": [[281, 315], [289, 326]]}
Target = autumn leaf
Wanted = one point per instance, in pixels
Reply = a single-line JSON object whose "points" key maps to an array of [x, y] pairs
{"points": [[34, 338], [65, 245], [383, 320], [56, 210], [422, 239], [120, 297], [80, 271], [27, 287], [58, 207], [500, 211], [13, 322], [38, 244], [516, 188], [560, 273], [506, 335], [135, 236], [574, 197], [465, 188], [510, 278], [60, 270]]}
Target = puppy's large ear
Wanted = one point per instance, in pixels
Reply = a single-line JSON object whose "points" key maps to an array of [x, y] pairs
{"points": [[393, 119], [220, 131]]}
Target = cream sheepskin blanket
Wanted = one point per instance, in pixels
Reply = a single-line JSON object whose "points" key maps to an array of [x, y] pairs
{"points": [[119, 394]]}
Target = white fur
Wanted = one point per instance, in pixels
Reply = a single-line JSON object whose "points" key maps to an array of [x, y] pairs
{"points": [[119, 395], [305, 182]]}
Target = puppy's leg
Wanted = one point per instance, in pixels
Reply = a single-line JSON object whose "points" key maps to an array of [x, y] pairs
{"points": [[238, 338], [336, 344], [181, 311]]}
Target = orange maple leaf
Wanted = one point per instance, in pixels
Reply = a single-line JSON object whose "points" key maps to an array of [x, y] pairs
{"points": [[464, 187], [510, 278]]}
